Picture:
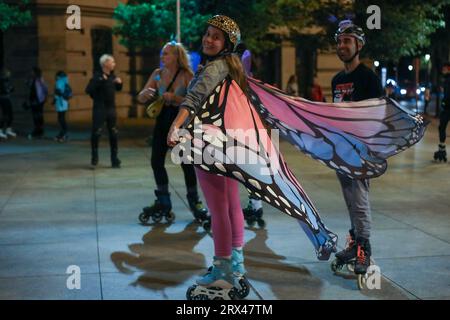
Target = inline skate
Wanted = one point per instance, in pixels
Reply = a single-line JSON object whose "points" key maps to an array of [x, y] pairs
{"points": [[199, 211], [441, 154], [254, 212], [355, 258], [237, 266], [162, 208], [219, 283]]}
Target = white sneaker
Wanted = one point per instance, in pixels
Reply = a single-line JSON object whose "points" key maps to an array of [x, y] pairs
{"points": [[10, 132], [2, 135]]}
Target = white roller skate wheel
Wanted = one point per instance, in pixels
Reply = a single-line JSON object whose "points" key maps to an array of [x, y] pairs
{"points": [[361, 281]]}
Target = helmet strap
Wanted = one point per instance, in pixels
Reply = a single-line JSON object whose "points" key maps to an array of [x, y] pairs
{"points": [[353, 57]]}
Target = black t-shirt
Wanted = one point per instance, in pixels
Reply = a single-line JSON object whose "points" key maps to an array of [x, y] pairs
{"points": [[360, 84]]}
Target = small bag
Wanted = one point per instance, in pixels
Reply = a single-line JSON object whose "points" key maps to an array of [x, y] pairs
{"points": [[154, 109]]}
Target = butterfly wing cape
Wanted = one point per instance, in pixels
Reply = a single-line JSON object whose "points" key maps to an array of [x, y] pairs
{"points": [[228, 137], [353, 138]]}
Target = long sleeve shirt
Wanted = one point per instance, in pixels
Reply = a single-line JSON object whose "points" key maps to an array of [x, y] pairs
{"points": [[203, 83]]}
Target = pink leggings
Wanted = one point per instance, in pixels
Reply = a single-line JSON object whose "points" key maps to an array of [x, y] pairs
{"points": [[227, 220]]}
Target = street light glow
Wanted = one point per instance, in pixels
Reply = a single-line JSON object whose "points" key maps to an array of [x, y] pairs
{"points": [[427, 57], [376, 63], [410, 67]]}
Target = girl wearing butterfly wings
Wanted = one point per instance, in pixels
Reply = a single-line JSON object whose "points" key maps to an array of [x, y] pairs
{"points": [[218, 109]]}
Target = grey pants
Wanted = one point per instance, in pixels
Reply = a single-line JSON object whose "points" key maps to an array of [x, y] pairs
{"points": [[356, 196]]}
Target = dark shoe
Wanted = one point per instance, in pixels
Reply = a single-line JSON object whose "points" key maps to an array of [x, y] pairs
{"points": [[94, 156], [116, 163], [61, 137], [94, 160]]}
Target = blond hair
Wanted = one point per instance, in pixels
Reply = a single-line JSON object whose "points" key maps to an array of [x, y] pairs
{"points": [[182, 56]]}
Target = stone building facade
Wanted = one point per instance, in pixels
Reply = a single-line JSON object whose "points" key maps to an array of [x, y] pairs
{"points": [[47, 43]]}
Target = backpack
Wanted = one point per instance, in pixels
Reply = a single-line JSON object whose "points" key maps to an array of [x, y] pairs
{"points": [[67, 94]]}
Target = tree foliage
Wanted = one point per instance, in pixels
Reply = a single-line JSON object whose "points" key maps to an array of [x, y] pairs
{"points": [[14, 14], [152, 23], [406, 26]]}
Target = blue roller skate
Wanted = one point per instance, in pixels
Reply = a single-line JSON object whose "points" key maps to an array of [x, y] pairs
{"points": [[217, 284], [237, 260]]}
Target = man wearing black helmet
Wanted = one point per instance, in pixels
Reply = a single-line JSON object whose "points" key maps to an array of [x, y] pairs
{"points": [[356, 82]]}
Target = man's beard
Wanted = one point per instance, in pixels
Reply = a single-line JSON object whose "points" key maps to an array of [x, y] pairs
{"points": [[343, 56]]}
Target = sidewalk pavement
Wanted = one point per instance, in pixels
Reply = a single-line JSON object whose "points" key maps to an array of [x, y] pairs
{"points": [[55, 211]]}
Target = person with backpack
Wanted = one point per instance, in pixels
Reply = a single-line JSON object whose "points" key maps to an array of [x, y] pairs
{"points": [[63, 92], [37, 96]]}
